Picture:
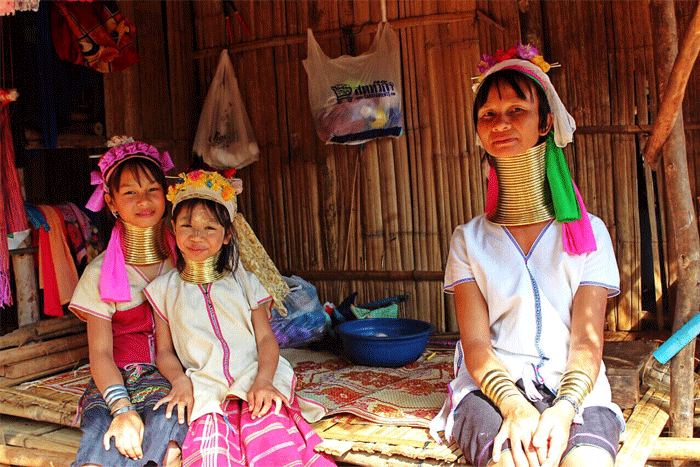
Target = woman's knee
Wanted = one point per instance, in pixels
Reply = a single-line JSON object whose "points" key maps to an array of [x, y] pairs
{"points": [[173, 455], [588, 455]]}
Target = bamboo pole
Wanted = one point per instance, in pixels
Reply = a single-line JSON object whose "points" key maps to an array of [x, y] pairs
{"points": [[679, 449], [46, 362], [684, 228], [42, 348], [42, 330], [674, 91], [30, 457]]}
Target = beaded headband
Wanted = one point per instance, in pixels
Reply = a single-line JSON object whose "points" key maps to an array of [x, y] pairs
{"points": [[123, 148]]}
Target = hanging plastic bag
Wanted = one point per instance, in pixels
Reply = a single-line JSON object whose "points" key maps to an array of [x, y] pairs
{"points": [[306, 320], [355, 99], [224, 136]]}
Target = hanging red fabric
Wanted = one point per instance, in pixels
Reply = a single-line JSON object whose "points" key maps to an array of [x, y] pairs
{"points": [[13, 217]]}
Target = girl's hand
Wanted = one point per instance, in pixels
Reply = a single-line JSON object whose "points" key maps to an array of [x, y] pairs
{"points": [[127, 430], [520, 422], [181, 396], [552, 434], [261, 396]]}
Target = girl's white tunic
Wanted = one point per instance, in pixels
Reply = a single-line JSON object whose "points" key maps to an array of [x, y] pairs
{"points": [[212, 332], [529, 299]]}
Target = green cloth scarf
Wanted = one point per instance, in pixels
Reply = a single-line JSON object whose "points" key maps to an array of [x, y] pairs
{"points": [[566, 207]]}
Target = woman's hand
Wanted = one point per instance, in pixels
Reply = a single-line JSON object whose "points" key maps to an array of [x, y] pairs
{"points": [[552, 434], [261, 396], [520, 422], [127, 430], [181, 396]]}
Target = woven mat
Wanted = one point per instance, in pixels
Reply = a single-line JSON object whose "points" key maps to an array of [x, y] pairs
{"points": [[407, 396]]}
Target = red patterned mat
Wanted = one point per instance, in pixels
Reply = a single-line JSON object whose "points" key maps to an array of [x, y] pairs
{"points": [[408, 396]]}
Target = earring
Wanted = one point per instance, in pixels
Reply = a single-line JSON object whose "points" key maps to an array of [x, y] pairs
{"points": [[115, 214]]}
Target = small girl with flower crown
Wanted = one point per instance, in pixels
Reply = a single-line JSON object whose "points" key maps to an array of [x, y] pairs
{"points": [[120, 423], [214, 321], [530, 278]]}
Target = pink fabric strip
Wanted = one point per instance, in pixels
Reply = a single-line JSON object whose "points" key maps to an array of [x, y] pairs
{"points": [[114, 283], [578, 236], [492, 191]]}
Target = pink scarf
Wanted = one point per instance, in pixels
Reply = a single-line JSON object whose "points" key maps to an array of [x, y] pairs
{"points": [[114, 282]]}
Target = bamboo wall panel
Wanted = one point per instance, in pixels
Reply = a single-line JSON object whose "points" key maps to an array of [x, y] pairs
{"points": [[391, 205]]}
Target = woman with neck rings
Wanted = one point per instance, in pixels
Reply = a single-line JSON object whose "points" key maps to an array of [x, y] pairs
{"points": [[531, 278]]}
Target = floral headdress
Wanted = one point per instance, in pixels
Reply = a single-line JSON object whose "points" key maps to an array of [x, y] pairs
{"points": [[521, 51], [207, 185], [215, 187], [569, 209], [123, 148]]}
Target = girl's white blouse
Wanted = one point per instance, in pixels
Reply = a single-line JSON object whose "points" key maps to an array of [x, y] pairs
{"points": [[529, 298], [212, 332]]}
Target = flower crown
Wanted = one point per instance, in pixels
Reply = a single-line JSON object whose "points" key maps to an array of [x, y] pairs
{"points": [[521, 51], [201, 179]]}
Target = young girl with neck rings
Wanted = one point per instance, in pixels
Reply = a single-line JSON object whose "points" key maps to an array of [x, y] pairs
{"points": [[530, 278], [119, 423], [214, 321]]}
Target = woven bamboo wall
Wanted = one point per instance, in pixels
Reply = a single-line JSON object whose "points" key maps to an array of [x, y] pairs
{"points": [[377, 218]]}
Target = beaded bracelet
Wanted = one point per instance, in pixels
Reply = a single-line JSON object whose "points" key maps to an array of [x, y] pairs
{"points": [[568, 399], [124, 409]]}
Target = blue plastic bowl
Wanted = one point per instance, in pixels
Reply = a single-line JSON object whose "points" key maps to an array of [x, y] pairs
{"points": [[384, 341]]}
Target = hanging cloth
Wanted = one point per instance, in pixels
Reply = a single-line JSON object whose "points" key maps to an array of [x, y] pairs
{"points": [[94, 34], [61, 257], [7, 7], [12, 215]]}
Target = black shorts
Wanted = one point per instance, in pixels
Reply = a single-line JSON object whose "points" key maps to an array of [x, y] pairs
{"points": [[477, 421]]}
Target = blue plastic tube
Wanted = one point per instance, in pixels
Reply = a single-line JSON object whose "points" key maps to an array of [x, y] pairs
{"points": [[678, 340]]}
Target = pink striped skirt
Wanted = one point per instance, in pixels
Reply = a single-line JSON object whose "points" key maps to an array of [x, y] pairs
{"points": [[234, 439]]}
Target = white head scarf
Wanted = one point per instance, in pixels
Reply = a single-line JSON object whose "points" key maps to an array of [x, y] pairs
{"points": [[564, 124]]}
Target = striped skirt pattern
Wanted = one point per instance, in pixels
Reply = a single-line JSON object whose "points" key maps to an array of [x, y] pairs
{"points": [[235, 439]]}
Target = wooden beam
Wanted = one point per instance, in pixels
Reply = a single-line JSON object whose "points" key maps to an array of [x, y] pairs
{"points": [[278, 41], [343, 275], [675, 90]]}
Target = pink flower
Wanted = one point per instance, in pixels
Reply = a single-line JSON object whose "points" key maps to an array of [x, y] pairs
{"points": [[195, 175], [527, 51], [486, 62]]}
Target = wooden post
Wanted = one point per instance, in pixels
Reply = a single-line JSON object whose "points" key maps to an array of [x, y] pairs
{"points": [[26, 285], [531, 23], [683, 228]]}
